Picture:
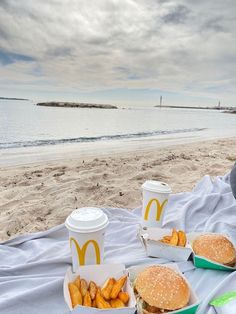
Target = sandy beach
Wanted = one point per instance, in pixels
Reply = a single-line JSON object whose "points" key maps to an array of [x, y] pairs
{"points": [[37, 197]]}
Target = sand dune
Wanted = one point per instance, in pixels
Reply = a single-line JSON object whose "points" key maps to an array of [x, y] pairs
{"points": [[37, 197]]}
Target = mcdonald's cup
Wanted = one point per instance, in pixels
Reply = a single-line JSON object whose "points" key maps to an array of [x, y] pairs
{"points": [[155, 198], [86, 228]]}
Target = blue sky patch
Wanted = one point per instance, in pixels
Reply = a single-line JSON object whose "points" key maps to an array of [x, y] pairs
{"points": [[9, 57]]}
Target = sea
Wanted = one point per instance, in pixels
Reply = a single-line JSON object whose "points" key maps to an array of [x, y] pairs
{"points": [[24, 125]]}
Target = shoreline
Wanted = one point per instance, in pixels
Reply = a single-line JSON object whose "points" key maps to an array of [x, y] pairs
{"points": [[36, 197], [39, 154]]}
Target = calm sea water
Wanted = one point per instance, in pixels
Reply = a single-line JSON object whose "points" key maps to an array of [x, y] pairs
{"points": [[24, 124]]}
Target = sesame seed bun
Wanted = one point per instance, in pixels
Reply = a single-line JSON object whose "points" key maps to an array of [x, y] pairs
{"points": [[163, 288], [215, 247]]}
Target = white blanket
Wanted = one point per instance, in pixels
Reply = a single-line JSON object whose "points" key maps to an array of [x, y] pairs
{"points": [[32, 267]]}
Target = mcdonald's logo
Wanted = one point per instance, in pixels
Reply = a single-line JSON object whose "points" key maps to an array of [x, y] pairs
{"points": [[82, 252], [159, 207]]}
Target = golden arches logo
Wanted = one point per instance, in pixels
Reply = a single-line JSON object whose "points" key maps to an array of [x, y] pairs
{"points": [[82, 252], [159, 207]]}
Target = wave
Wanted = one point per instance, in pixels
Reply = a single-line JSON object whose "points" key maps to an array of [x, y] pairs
{"points": [[93, 138]]}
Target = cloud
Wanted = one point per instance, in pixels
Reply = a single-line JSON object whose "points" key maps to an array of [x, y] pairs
{"points": [[186, 46], [178, 14]]}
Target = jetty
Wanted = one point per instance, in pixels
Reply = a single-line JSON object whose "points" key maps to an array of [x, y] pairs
{"points": [[228, 109], [75, 105]]}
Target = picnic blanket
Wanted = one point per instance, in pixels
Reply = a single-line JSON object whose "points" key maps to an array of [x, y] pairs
{"points": [[32, 266]]}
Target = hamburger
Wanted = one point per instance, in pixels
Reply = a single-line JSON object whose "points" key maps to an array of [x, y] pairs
{"points": [[160, 289], [216, 248]]}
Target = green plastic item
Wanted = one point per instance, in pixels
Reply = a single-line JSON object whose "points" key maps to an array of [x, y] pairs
{"points": [[201, 262], [224, 299], [191, 310]]}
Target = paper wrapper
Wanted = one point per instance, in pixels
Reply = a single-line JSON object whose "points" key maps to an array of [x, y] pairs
{"points": [[193, 302], [99, 274], [154, 248]]}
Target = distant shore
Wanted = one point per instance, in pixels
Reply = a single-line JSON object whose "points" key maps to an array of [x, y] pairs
{"points": [[75, 105], [228, 109], [10, 98]]}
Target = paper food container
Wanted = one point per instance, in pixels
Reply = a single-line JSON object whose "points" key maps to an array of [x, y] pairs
{"points": [[99, 274], [193, 302], [150, 237], [202, 262]]}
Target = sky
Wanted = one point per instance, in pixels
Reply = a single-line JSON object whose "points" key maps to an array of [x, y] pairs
{"points": [[124, 52]]}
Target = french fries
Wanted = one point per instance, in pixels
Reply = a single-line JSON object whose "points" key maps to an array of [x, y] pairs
{"points": [[94, 304], [174, 238], [182, 238], [107, 288], [87, 300], [116, 303], [177, 238], [124, 297], [75, 295], [89, 294], [101, 303], [83, 287], [92, 290], [77, 282], [117, 287]]}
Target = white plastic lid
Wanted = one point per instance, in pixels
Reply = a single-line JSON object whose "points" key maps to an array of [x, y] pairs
{"points": [[86, 219], [156, 186]]}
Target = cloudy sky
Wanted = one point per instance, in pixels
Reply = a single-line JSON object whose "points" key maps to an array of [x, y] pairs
{"points": [[119, 51]]}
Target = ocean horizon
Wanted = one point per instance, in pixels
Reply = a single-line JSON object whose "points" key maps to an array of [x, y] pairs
{"points": [[23, 124]]}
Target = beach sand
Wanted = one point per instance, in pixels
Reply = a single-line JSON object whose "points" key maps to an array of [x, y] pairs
{"points": [[37, 197]]}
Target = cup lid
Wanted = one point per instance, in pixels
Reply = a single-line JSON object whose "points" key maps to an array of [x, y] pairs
{"points": [[86, 219], [156, 186]]}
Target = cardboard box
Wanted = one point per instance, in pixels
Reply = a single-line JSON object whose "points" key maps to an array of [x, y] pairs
{"points": [[150, 237], [193, 302], [202, 262], [99, 274]]}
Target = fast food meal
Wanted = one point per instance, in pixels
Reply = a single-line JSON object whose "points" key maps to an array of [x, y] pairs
{"points": [[215, 247], [177, 238], [110, 295], [160, 289]]}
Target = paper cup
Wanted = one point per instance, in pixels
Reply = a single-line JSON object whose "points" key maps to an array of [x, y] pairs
{"points": [[86, 236], [155, 198]]}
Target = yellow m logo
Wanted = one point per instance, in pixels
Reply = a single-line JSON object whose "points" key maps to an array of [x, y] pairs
{"points": [[159, 206], [82, 252]]}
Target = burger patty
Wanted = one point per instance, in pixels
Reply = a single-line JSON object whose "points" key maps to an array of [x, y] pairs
{"points": [[154, 310]]}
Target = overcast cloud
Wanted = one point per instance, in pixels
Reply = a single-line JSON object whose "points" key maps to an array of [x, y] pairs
{"points": [[73, 46]]}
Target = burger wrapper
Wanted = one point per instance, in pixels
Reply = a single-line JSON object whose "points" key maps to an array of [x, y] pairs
{"points": [[150, 237], [99, 274], [202, 262], [193, 302]]}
